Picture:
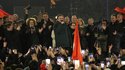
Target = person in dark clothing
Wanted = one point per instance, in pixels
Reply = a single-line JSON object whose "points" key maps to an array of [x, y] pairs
{"points": [[45, 29], [72, 27], [62, 33], [102, 36], [121, 30], [90, 35], [68, 23], [82, 34], [13, 58], [112, 35], [1, 33], [2, 54], [42, 55], [31, 33], [12, 37], [56, 67], [33, 65]]}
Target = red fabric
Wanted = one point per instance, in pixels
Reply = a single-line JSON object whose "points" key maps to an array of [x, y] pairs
{"points": [[76, 54], [43, 67], [119, 10], [3, 13], [124, 9]]}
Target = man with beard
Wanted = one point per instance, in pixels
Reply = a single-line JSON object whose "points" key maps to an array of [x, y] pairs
{"points": [[62, 33], [45, 29]]}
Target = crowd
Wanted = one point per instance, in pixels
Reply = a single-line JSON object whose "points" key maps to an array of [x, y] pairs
{"points": [[42, 43]]}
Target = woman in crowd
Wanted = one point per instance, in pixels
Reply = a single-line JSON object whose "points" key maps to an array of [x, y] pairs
{"points": [[82, 33], [31, 33]]}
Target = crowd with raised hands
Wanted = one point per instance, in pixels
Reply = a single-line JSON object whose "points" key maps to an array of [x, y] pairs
{"points": [[44, 43]]}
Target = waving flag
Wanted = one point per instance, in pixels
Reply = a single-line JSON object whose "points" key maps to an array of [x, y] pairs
{"points": [[3, 13], [76, 54], [120, 10], [124, 9]]}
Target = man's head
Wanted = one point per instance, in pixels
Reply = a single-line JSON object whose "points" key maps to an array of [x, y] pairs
{"points": [[104, 22], [31, 22], [74, 18], [45, 16], [119, 17], [60, 18], [81, 21], [113, 18], [90, 21], [67, 19], [15, 17]]}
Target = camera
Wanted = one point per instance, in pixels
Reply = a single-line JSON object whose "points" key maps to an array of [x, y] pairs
{"points": [[102, 64], [86, 66], [69, 59], [91, 55], [60, 60], [47, 61]]}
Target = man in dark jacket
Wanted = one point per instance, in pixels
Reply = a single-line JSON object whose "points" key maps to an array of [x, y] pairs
{"points": [[45, 29], [113, 35], [121, 30], [12, 37], [62, 33], [90, 35]]}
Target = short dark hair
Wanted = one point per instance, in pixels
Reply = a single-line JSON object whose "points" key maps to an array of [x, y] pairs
{"points": [[44, 13], [104, 19], [59, 15], [120, 14], [113, 14]]}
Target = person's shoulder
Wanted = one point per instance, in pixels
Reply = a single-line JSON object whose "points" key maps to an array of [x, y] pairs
{"points": [[87, 26], [42, 21], [50, 20], [57, 23]]}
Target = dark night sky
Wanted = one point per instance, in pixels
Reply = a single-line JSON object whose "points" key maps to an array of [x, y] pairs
{"points": [[85, 8]]}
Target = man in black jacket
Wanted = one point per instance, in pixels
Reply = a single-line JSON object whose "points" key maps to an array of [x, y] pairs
{"points": [[90, 35], [113, 35], [121, 30], [45, 29], [62, 33]]}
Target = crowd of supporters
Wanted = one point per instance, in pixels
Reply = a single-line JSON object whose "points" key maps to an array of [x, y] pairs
{"points": [[42, 43]]}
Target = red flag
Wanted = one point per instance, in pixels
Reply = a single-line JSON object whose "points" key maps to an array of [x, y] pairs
{"points": [[3, 13], [119, 10], [124, 9], [76, 54]]}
